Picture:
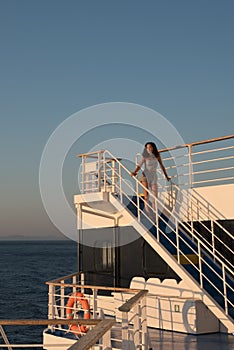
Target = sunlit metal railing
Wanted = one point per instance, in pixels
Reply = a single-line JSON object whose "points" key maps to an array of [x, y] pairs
{"points": [[99, 332], [116, 320], [205, 163], [131, 326], [114, 177]]}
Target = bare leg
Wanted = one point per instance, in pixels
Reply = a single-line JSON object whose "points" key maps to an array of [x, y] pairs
{"points": [[146, 195], [154, 190]]}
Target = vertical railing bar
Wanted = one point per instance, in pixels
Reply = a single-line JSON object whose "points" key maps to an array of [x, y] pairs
{"points": [[106, 341], [82, 281], [177, 242], [113, 187], [200, 263], [120, 183], [138, 201], [136, 323], [50, 305], [144, 336], [94, 303], [74, 283], [62, 301], [125, 331], [83, 174], [225, 289], [104, 170], [212, 236], [99, 172]]}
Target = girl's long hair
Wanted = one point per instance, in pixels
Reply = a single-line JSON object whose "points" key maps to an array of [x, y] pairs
{"points": [[155, 151]]}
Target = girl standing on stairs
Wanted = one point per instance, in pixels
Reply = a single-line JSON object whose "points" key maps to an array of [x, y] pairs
{"points": [[149, 179]]}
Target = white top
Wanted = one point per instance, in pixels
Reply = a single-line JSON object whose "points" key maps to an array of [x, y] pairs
{"points": [[150, 162]]}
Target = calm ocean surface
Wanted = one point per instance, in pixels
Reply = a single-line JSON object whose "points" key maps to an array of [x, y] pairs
{"points": [[25, 266]]}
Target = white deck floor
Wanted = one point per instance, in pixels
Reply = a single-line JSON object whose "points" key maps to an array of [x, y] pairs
{"points": [[165, 340]]}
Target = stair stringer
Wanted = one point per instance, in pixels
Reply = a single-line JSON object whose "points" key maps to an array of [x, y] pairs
{"points": [[197, 291]]}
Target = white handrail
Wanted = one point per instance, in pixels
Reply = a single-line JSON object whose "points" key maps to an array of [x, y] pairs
{"points": [[114, 173], [200, 212], [201, 247]]}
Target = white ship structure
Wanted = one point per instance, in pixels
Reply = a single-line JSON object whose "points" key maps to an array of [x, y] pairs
{"points": [[170, 270]]}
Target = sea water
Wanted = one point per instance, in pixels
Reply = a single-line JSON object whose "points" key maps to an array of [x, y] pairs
{"points": [[25, 266]]}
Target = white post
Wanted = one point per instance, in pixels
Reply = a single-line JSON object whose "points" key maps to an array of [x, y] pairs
{"points": [[104, 171], [224, 289], [125, 342], [213, 238], [200, 263], [62, 301], [177, 241], [51, 312], [113, 178], [99, 172], [94, 303], [74, 283], [82, 280], [190, 166], [83, 174], [106, 341], [120, 184], [144, 324], [138, 202], [136, 324]]}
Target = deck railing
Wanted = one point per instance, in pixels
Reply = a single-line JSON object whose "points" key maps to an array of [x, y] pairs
{"points": [[132, 321], [117, 321], [111, 175], [205, 163], [100, 332]]}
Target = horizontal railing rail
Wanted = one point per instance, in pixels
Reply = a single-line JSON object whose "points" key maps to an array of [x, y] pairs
{"points": [[115, 174], [200, 168], [190, 209], [60, 291], [99, 331]]}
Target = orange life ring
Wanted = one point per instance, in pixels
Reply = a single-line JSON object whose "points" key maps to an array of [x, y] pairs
{"points": [[77, 329]]}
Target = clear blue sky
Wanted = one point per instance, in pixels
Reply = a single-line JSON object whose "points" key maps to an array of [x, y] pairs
{"points": [[58, 57]]}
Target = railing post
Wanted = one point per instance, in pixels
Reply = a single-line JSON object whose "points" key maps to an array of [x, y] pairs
{"points": [[190, 166], [51, 311], [106, 341], [62, 301], [125, 331], [113, 177], [212, 236], [144, 337], [104, 170], [74, 283], [83, 174], [136, 324], [177, 242], [157, 224], [200, 263], [138, 202], [82, 281], [120, 184], [94, 303], [99, 172], [225, 289]]}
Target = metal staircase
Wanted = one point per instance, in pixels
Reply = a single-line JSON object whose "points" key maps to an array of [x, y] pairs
{"points": [[173, 229]]}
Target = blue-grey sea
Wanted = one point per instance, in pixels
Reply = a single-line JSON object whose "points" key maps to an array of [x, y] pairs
{"points": [[25, 266]]}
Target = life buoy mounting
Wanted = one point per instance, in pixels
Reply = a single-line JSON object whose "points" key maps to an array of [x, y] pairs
{"points": [[78, 296]]}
